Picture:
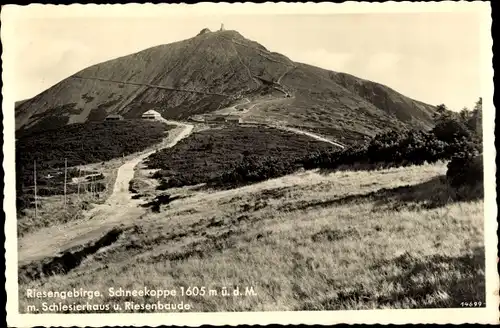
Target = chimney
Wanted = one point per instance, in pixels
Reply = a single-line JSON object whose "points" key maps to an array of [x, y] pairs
{"points": [[221, 27]]}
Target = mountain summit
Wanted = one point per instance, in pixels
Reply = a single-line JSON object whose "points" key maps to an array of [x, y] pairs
{"points": [[222, 69]]}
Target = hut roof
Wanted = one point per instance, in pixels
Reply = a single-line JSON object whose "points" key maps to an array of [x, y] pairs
{"points": [[151, 112]]}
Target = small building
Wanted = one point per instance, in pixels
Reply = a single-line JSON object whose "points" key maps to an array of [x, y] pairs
{"points": [[197, 118], [215, 118], [114, 117], [151, 115], [204, 31], [233, 119]]}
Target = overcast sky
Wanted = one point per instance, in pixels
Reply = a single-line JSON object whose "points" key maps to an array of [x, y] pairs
{"points": [[432, 57]]}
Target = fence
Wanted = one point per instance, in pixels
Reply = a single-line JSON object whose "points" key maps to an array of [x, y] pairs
{"points": [[90, 183]]}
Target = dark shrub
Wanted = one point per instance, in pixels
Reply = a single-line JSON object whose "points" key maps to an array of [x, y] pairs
{"points": [[465, 169], [25, 201], [99, 187], [174, 182], [46, 191], [99, 176], [131, 187], [449, 129]]}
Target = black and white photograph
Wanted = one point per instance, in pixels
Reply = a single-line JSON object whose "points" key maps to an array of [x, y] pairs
{"points": [[249, 164]]}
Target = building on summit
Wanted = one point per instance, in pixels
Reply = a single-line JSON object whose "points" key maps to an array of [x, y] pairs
{"points": [[205, 30]]}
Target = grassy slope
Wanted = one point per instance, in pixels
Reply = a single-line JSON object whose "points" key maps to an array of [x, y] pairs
{"points": [[347, 240]]}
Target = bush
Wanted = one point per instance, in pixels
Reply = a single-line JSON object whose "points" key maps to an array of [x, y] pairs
{"points": [[177, 181], [254, 169], [449, 129], [24, 201], [465, 170], [99, 176]]}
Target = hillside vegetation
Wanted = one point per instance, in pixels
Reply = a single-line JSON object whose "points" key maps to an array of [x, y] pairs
{"points": [[392, 238], [387, 224], [206, 155], [214, 70], [235, 156], [79, 144]]}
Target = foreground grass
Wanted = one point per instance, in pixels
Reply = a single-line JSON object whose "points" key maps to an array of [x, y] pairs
{"points": [[349, 240]]}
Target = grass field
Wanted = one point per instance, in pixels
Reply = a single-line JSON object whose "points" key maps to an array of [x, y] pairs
{"points": [[393, 238]]}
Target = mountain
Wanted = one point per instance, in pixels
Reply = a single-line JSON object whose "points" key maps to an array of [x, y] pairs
{"points": [[216, 70], [19, 102]]}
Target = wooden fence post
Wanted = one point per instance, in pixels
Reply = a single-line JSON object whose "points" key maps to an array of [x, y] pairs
{"points": [[79, 177], [65, 178], [34, 178]]}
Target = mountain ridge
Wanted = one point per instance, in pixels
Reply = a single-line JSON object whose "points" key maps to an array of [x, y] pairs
{"points": [[213, 70]]}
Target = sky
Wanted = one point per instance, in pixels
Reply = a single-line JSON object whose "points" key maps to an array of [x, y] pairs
{"points": [[434, 57]]}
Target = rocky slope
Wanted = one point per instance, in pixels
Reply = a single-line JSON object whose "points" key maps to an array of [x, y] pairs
{"points": [[213, 70]]}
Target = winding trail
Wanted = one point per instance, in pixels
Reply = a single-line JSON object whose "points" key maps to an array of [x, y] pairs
{"points": [[309, 134], [149, 85], [121, 194], [118, 209], [232, 109]]}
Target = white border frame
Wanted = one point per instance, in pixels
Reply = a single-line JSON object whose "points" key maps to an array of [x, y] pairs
{"points": [[489, 314]]}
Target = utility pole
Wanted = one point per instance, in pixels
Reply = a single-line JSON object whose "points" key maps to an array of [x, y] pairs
{"points": [[65, 178], [34, 178], [79, 177]]}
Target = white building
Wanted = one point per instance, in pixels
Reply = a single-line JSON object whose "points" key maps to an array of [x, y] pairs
{"points": [[114, 117], [223, 118], [151, 115], [233, 119]]}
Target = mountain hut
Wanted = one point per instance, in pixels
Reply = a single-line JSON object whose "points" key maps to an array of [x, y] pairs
{"points": [[114, 117], [151, 115]]}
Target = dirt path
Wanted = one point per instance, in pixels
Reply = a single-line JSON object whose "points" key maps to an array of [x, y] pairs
{"points": [[310, 134], [254, 103], [119, 208], [288, 70], [232, 109], [121, 194], [149, 85]]}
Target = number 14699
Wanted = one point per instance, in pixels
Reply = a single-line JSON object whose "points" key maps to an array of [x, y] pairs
{"points": [[471, 304]]}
